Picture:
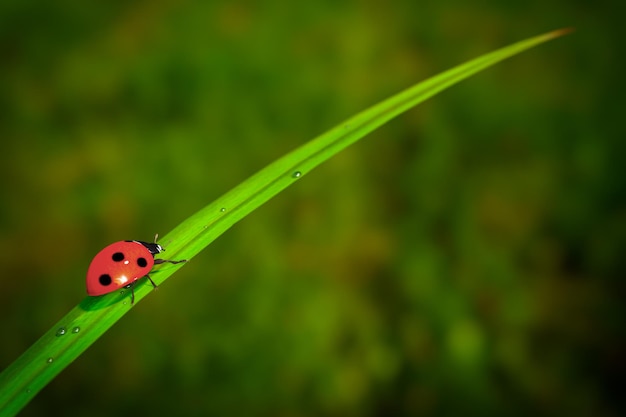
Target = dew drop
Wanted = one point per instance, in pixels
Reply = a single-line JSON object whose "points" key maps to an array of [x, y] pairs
{"points": [[76, 329], [61, 331], [296, 174], [50, 360], [28, 391], [223, 209]]}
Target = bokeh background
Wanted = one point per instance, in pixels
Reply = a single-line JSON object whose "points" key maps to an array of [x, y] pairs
{"points": [[465, 259]]}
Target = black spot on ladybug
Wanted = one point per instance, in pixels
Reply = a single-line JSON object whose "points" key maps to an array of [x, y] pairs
{"points": [[142, 262], [118, 256], [105, 279]]}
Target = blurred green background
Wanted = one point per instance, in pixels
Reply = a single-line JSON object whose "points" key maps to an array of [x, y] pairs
{"points": [[463, 260]]}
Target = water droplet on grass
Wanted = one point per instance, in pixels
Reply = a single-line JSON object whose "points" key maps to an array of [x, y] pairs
{"points": [[76, 329], [50, 360], [61, 331], [296, 174], [223, 209]]}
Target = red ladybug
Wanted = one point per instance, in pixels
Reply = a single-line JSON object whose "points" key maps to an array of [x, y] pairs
{"points": [[121, 264]]}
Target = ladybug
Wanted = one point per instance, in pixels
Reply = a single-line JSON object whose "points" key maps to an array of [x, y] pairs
{"points": [[121, 264]]}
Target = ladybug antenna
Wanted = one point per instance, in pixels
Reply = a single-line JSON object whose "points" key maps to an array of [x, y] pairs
{"points": [[156, 237]]}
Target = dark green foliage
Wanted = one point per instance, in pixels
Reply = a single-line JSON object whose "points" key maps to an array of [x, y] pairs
{"points": [[464, 261]]}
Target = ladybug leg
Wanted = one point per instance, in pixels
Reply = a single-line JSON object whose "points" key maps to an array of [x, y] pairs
{"points": [[131, 287], [162, 261], [152, 282]]}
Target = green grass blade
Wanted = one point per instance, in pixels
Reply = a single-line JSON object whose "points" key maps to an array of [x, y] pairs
{"points": [[84, 324]]}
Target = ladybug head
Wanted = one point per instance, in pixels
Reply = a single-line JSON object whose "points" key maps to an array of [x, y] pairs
{"points": [[154, 248]]}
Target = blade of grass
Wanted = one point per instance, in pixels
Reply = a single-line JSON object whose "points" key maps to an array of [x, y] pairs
{"points": [[84, 324]]}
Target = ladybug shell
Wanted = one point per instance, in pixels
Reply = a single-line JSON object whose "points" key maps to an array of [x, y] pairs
{"points": [[118, 265]]}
